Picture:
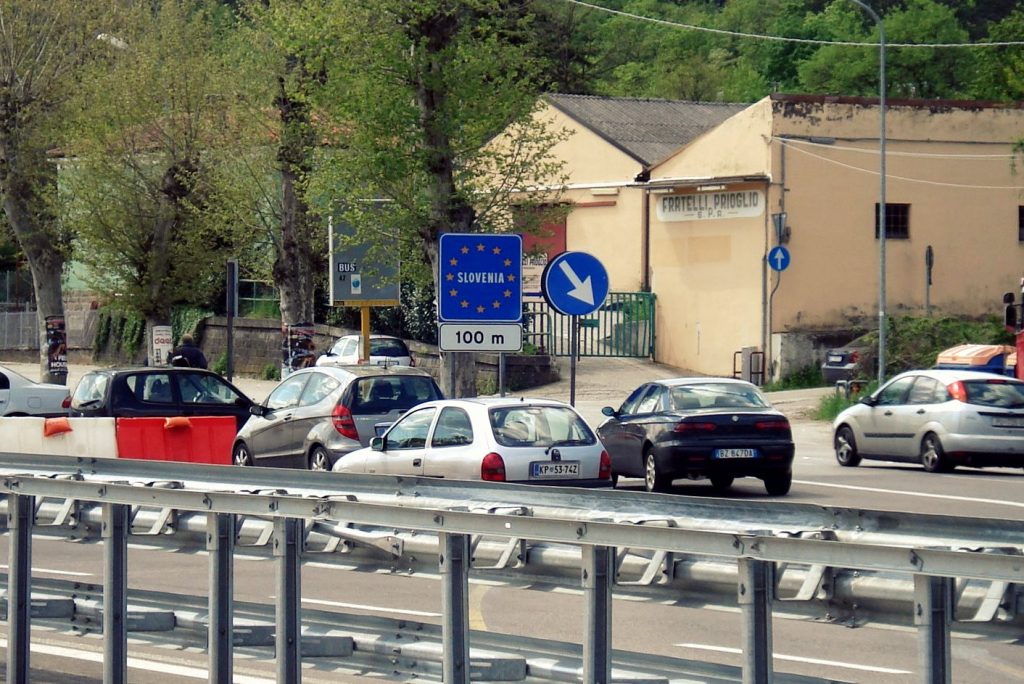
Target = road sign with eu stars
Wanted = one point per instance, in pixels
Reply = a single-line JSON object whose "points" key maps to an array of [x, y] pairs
{"points": [[480, 277]]}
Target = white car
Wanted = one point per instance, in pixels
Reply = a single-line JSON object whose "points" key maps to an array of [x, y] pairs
{"points": [[384, 351], [20, 396], [938, 418], [494, 439]]}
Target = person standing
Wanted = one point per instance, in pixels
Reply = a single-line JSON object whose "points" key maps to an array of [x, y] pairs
{"points": [[188, 354]]}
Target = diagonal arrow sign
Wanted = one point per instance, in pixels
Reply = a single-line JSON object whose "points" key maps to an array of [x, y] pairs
{"points": [[582, 289]]}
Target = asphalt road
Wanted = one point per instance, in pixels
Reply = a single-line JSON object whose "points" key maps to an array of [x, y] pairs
{"points": [[867, 654]]}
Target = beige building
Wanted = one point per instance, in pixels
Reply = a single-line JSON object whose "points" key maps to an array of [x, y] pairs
{"points": [[679, 198]]}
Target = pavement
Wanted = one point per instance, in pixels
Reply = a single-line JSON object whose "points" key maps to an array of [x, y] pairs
{"points": [[599, 382]]}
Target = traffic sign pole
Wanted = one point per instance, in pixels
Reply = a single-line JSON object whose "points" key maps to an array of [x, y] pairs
{"points": [[574, 350]]}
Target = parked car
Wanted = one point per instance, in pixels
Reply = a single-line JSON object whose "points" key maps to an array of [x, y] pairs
{"points": [[715, 428], [384, 351], [20, 396], [318, 415], [938, 418], [139, 392], [855, 360], [495, 439]]}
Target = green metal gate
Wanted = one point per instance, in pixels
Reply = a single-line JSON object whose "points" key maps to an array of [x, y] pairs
{"points": [[622, 327]]}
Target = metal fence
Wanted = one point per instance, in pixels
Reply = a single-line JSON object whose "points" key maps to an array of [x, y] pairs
{"points": [[622, 327], [926, 570]]}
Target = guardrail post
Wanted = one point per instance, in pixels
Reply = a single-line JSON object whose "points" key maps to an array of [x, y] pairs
{"points": [[454, 566], [20, 515], [287, 639], [115, 593], [756, 589], [933, 612], [598, 574], [220, 543]]}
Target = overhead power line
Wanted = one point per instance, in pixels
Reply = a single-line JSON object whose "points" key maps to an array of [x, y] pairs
{"points": [[787, 39], [874, 151]]}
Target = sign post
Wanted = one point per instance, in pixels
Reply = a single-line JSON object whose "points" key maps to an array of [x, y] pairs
{"points": [[574, 284], [480, 293]]}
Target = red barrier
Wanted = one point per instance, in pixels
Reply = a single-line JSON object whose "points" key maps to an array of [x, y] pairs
{"points": [[195, 439]]}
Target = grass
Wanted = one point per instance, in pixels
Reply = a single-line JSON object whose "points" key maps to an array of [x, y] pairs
{"points": [[808, 376], [832, 405]]}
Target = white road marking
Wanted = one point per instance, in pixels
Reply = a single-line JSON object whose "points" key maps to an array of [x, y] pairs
{"points": [[800, 659], [47, 571], [376, 609], [924, 495], [138, 663]]}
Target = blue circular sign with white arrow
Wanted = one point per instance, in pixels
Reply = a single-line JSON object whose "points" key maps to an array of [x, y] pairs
{"points": [[575, 283], [778, 258]]}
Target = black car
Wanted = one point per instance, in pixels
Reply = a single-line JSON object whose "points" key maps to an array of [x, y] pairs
{"points": [[715, 428], [158, 391]]}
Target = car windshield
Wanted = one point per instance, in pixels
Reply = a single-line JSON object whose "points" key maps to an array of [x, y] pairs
{"points": [[90, 391], [539, 426], [387, 393], [710, 395], [1000, 393]]}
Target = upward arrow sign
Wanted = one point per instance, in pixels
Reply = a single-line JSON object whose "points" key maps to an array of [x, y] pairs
{"points": [[582, 290]]}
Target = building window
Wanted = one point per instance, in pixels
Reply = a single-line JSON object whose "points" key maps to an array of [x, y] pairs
{"points": [[897, 221], [1020, 224]]}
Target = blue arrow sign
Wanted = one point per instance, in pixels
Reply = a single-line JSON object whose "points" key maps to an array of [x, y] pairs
{"points": [[480, 277], [575, 283], [778, 258]]}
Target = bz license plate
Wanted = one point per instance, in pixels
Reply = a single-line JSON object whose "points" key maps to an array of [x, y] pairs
{"points": [[735, 453], [540, 470]]}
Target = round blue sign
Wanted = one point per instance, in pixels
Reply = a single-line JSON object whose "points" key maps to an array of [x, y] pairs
{"points": [[778, 258], [575, 283]]}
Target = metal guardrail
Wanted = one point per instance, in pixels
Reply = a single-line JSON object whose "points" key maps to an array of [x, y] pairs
{"points": [[605, 540]]}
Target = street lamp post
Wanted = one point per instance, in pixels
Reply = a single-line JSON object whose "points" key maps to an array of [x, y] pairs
{"points": [[881, 191]]}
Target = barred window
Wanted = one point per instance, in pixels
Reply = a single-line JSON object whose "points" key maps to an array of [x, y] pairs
{"points": [[897, 221]]}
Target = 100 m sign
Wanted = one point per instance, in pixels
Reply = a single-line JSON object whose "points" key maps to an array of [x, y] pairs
{"points": [[497, 337]]}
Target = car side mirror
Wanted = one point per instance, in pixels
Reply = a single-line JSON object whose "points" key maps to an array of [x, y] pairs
{"points": [[610, 412], [258, 410], [869, 400], [377, 443]]}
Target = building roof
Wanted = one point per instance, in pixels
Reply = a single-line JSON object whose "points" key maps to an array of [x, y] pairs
{"points": [[647, 130]]}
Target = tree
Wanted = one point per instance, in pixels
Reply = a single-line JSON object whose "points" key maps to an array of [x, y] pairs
{"points": [[414, 93], [44, 44], [149, 185]]}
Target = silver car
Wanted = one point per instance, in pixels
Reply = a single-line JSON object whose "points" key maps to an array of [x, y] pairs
{"points": [[495, 439], [384, 351], [938, 418], [316, 416], [20, 396]]}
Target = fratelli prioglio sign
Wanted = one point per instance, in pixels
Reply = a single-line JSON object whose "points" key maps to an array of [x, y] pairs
{"points": [[699, 206]]}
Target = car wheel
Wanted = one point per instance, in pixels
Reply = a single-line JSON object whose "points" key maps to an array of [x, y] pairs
{"points": [[319, 458], [241, 456], [778, 484], [846, 447], [722, 482], [654, 479], [933, 457]]}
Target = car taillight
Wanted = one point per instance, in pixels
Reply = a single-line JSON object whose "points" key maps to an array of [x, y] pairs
{"points": [[854, 357], [343, 422], [694, 427], [605, 472], [66, 404], [782, 424], [492, 468], [958, 391]]}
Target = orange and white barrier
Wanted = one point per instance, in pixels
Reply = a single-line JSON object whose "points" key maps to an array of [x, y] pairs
{"points": [[84, 437], [196, 439]]}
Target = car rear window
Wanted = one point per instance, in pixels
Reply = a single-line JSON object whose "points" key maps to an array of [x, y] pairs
{"points": [[708, 395], [391, 348], [539, 426], [998, 393], [91, 391], [386, 393]]}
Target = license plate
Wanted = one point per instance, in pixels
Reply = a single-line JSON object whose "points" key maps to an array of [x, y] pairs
{"points": [[540, 470], [735, 453], [1008, 421], [834, 359]]}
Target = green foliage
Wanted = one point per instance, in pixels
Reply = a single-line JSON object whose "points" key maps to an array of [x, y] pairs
{"points": [[186, 319], [486, 385], [271, 371], [120, 333], [808, 376], [220, 366], [831, 405]]}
